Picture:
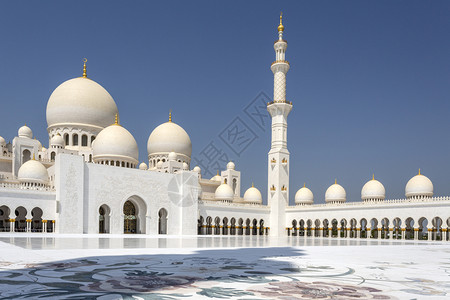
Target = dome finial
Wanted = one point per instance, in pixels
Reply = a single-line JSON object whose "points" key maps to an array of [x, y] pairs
{"points": [[253, 184], [373, 176], [84, 68], [304, 184], [217, 172], [116, 120], [170, 115], [281, 27], [419, 171], [335, 181], [34, 157]]}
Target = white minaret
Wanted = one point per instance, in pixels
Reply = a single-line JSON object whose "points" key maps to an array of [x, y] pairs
{"points": [[279, 108]]}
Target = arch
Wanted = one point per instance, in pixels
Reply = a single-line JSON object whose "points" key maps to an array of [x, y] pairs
{"points": [[200, 225], [162, 221], [134, 212], [75, 140], [308, 227], [301, 224], [240, 226], [409, 229], [343, 226], [36, 221], [66, 139], [363, 228], [437, 229], [216, 225], [104, 219], [396, 228], [21, 220], [423, 228], [385, 228], [254, 227], [208, 225], [326, 226], [4, 218], [90, 158], [373, 228], [334, 228], [317, 228], [234, 185], [26, 156], [247, 226], [294, 228], [84, 140], [233, 226], [52, 155], [353, 223], [225, 226], [261, 227]]}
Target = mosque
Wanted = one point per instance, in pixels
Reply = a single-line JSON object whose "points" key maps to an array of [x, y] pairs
{"points": [[89, 180]]}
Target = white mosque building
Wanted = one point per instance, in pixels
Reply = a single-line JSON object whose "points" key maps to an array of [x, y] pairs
{"points": [[89, 180]]}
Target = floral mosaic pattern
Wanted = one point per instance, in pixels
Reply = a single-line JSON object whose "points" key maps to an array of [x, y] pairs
{"points": [[261, 273]]}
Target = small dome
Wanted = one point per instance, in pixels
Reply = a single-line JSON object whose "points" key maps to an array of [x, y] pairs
{"points": [[197, 169], [304, 196], [185, 167], [39, 145], [419, 186], [253, 195], [81, 101], [115, 142], [217, 177], [231, 165], [25, 132], [224, 192], [57, 141], [143, 166], [159, 164], [373, 190], [169, 137], [2, 141], [172, 156], [335, 193], [33, 172]]}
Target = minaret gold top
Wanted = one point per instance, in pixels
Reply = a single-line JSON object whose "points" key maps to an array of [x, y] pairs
{"points": [[281, 27], [84, 68]]}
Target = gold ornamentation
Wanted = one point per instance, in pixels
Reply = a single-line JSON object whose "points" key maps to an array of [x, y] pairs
{"points": [[281, 27], [84, 68], [170, 119]]}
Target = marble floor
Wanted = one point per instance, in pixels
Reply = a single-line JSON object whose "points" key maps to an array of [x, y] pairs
{"points": [[52, 266]]}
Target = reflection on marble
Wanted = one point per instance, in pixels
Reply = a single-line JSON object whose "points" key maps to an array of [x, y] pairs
{"points": [[142, 267]]}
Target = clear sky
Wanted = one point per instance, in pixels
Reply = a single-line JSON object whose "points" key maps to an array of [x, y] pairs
{"points": [[369, 80]]}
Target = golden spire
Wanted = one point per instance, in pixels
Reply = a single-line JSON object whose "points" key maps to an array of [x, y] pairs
{"points": [[419, 171], [170, 119], [304, 184], [217, 172], [116, 120], [84, 68], [34, 157], [281, 27], [335, 181], [373, 176], [253, 184]]}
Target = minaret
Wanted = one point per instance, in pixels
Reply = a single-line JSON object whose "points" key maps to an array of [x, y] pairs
{"points": [[279, 109]]}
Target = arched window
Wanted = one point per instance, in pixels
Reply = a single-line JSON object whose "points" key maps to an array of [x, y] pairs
{"points": [[234, 185], [90, 157], [66, 139], [52, 156], [84, 140], [26, 155], [75, 140]]}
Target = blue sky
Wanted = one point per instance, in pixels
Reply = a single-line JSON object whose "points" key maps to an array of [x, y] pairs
{"points": [[369, 80]]}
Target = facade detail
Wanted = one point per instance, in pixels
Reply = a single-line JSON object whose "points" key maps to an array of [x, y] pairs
{"points": [[90, 180]]}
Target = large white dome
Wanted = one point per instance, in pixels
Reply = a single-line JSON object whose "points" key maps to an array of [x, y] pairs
{"points": [[253, 195], [373, 190], [115, 143], [33, 172], [169, 137], [419, 186], [304, 196], [81, 101], [335, 193], [224, 192]]}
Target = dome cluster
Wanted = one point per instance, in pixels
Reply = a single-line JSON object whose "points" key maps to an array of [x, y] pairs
{"points": [[418, 187]]}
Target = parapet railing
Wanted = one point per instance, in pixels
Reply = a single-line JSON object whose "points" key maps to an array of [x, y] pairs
{"points": [[229, 203], [19, 186]]}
